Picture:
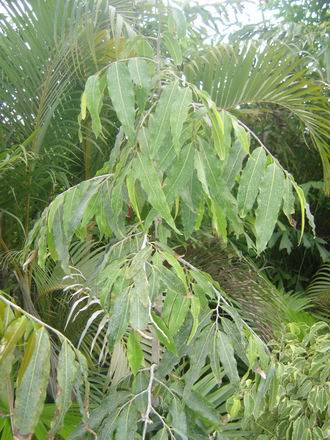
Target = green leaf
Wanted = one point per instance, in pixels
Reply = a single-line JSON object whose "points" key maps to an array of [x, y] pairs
{"points": [[161, 435], [234, 163], [150, 182], [288, 199], [179, 114], [11, 337], [140, 72], [134, 352], [171, 258], [66, 377], [177, 22], [171, 280], [31, 392], [269, 204], [201, 173], [93, 96], [180, 173], [195, 308], [198, 353], [159, 124], [197, 403], [218, 132], [227, 358], [163, 333], [119, 318], [130, 183], [173, 47], [75, 205], [233, 406], [121, 92], [175, 310], [219, 220], [179, 419], [139, 302], [127, 423], [215, 359], [250, 181], [302, 201], [242, 135], [300, 427]]}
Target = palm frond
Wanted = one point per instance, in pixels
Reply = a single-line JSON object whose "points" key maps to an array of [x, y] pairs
{"points": [[252, 75], [319, 290], [265, 307]]}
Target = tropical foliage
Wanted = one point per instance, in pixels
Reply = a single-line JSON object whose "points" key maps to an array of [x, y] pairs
{"points": [[139, 200], [295, 394]]}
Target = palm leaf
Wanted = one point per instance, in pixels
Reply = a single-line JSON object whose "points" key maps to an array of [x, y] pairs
{"points": [[241, 77]]}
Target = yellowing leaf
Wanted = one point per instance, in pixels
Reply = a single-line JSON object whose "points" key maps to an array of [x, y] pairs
{"points": [[83, 106]]}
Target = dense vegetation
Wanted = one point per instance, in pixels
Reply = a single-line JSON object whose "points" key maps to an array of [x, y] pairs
{"points": [[164, 220]]}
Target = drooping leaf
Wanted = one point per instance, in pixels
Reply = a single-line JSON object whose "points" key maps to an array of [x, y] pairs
{"points": [[92, 98], [219, 220], [180, 173], [250, 181], [14, 332], [159, 124], [173, 47], [150, 182], [175, 310], [242, 135], [215, 358], [163, 333], [179, 419], [288, 199], [121, 92], [139, 301], [139, 70], [134, 352], [234, 163], [201, 173], [179, 114], [66, 377], [119, 319], [195, 310], [130, 183], [31, 391], [227, 357], [127, 423], [269, 204], [199, 405], [177, 22], [218, 133], [198, 353]]}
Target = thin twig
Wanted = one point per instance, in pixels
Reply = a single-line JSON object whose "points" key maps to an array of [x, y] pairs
{"points": [[149, 407]]}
